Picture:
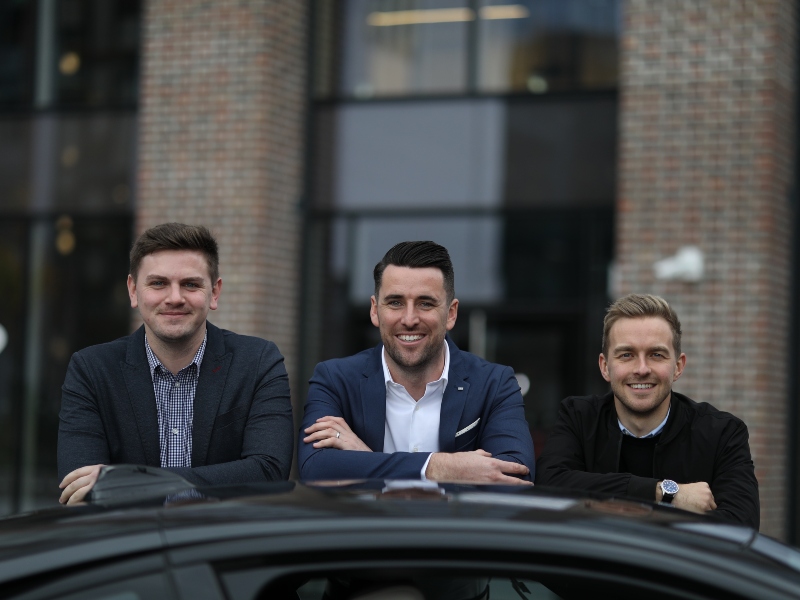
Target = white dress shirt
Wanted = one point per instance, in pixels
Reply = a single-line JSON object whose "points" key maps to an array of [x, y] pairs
{"points": [[413, 426]]}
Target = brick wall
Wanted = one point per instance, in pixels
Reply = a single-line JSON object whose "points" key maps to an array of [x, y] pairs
{"points": [[221, 134], [706, 158]]}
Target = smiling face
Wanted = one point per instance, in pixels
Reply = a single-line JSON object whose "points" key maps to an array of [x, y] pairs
{"points": [[413, 315], [174, 292], [641, 366]]}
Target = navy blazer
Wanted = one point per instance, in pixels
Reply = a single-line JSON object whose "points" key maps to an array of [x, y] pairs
{"points": [[242, 427], [481, 409]]}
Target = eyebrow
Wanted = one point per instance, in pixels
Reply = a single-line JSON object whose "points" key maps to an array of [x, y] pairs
{"points": [[155, 277], [627, 348], [390, 297]]}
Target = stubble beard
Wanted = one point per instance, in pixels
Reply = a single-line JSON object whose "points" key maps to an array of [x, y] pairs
{"points": [[429, 354]]}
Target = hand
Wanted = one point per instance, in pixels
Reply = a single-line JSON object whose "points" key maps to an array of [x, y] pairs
{"points": [[696, 497], [477, 466], [334, 432], [78, 483]]}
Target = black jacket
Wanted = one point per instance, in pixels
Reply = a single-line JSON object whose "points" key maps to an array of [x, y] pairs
{"points": [[698, 443]]}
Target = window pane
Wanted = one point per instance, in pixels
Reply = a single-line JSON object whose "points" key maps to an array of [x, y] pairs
{"points": [[13, 260], [70, 293], [561, 153], [97, 57], [400, 47], [547, 45], [66, 162], [17, 28], [399, 155]]}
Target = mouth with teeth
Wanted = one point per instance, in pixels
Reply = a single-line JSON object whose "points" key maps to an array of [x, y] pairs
{"points": [[410, 337], [642, 386]]}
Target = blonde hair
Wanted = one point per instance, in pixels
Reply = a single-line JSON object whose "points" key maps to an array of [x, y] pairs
{"points": [[642, 305]]}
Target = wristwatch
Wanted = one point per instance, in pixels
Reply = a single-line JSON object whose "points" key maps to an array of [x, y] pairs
{"points": [[668, 490]]}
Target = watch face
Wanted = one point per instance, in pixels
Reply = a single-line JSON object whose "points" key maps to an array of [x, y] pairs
{"points": [[669, 487]]}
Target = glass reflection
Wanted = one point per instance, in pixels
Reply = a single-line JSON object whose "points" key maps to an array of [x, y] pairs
{"points": [[400, 47], [548, 45]]}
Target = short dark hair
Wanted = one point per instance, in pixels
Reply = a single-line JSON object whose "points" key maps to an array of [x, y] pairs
{"points": [[642, 305], [418, 255], [176, 236]]}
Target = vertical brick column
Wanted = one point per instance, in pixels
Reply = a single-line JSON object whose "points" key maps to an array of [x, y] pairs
{"points": [[707, 142], [221, 144]]}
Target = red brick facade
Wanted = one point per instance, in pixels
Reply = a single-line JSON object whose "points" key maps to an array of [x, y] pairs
{"points": [[706, 159], [221, 142]]}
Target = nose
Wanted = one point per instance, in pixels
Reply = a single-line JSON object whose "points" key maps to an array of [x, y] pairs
{"points": [[642, 368], [410, 317], [175, 294]]}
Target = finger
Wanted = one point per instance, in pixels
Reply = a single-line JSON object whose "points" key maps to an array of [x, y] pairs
{"points": [[334, 420], [71, 490], [514, 481], [330, 442], [79, 495], [480, 452], [75, 486], [318, 427], [513, 468], [321, 435], [73, 475]]}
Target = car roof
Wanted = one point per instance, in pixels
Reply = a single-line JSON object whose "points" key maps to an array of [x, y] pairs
{"points": [[287, 519]]}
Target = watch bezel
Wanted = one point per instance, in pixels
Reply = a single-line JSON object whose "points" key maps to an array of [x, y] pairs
{"points": [[668, 490]]}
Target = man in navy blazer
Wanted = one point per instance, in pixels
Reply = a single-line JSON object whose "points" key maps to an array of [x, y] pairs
{"points": [[415, 407], [178, 393]]}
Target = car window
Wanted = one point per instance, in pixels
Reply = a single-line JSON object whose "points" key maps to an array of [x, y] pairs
{"points": [[148, 587], [424, 586], [415, 583]]}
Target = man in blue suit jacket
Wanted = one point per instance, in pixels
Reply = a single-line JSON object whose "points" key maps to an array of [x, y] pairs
{"points": [[415, 407], [178, 393]]}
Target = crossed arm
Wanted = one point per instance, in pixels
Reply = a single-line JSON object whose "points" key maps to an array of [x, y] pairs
{"points": [[263, 450], [476, 466], [732, 493], [330, 447]]}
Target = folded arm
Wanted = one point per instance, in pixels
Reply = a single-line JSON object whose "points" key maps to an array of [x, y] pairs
{"points": [[563, 464]]}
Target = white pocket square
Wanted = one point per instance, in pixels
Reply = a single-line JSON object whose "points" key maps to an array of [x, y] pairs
{"points": [[468, 427]]}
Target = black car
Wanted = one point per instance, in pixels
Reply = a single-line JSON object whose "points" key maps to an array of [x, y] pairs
{"points": [[148, 535]]}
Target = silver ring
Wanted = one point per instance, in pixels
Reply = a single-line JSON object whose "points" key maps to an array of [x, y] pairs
{"points": [[338, 433]]}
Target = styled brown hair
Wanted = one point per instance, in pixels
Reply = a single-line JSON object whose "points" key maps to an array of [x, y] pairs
{"points": [[642, 305], [176, 236], [418, 255]]}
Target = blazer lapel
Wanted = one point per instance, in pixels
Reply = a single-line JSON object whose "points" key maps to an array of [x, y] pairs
{"points": [[139, 385], [372, 396], [208, 396], [453, 401]]}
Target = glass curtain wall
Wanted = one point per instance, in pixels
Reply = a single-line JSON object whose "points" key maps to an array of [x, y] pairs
{"points": [[488, 127], [68, 92]]}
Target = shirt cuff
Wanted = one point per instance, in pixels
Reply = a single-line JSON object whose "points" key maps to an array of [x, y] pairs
{"points": [[425, 468]]}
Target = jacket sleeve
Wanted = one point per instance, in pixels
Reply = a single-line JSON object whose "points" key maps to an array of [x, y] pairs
{"points": [[325, 400], [267, 441], [81, 435], [567, 459], [506, 435], [734, 486]]}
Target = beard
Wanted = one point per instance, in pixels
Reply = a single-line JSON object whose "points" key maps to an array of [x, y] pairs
{"points": [[414, 362]]}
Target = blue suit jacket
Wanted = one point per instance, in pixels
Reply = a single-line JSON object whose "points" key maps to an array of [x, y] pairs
{"points": [[242, 425], [478, 392]]}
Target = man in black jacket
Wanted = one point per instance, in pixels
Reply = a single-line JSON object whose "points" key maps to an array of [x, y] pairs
{"points": [[642, 440]]}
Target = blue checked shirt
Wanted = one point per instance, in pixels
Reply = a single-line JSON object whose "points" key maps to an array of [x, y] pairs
{"points": [[175, 407]]}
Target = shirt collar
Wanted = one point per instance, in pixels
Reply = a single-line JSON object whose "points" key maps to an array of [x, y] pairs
{"points": [[653, 433], [387, 376], [154, 363]]}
